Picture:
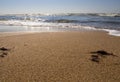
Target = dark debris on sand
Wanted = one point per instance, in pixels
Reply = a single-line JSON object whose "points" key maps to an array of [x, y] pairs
{"points": [[95, 58], [3, 51], [102, 53], [97, 54]]}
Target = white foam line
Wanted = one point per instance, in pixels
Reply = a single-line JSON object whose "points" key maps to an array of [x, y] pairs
{"points": [[112, 32]]}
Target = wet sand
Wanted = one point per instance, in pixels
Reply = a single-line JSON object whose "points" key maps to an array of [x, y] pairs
{"points": [[60, 57]]}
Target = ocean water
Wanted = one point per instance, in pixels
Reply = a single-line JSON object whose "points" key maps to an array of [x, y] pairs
{"points": [[60, 22]]}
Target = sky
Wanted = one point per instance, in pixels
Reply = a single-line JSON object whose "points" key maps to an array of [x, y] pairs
{"points": [[59, 6]]}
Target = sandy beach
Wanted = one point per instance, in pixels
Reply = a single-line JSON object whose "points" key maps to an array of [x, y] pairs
{"points": [[60, 57]]}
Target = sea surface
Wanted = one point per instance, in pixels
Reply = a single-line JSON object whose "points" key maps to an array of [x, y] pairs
{"points": [[60, 22]]}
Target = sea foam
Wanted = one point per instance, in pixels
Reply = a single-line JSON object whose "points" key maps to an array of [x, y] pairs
{"points": [[112, 32]]}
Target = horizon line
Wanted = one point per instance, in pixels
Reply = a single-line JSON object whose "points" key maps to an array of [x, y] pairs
{"points": [[52, 13]]}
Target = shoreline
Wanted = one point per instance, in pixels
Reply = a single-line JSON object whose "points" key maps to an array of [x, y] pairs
{"points": [[60, 56], [4, 34]]}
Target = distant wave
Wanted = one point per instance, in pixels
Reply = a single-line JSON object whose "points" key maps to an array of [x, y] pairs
{"points": [[21, 18], [95, 14], [110, 15]]}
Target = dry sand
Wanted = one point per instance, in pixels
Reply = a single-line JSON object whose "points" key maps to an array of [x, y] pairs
{"points": [[59, 57]]}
